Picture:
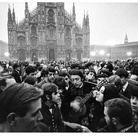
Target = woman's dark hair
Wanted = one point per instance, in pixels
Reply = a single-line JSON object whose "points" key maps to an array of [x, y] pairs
{"points": [[110, 92], [60, 82]]}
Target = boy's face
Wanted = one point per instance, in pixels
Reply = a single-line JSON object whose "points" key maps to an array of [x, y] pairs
{"points": [[56, 96], [134, 103]]}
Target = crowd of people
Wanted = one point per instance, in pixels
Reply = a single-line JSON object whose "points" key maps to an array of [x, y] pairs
{"points": [[89, 96]]}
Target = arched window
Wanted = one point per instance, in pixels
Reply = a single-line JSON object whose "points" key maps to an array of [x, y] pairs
{"points": [[21, 41], [51, 15], [33, 30]]}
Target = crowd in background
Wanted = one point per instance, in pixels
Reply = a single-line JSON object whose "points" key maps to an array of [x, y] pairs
{"points": [[90, 96]]}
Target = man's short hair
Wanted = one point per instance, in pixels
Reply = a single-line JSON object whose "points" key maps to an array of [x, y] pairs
{"points": [[30, 69], [30, 80], [17, 98], [15, 65], [64, 74], [51, 69], [121, 109], [49, 88], [60, 82], [122, 73], [76, 72]]}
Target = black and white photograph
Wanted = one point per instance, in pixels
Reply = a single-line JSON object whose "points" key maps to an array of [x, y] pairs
{"points": [[69, 67]]}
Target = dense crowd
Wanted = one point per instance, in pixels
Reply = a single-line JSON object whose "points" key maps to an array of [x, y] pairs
{"points": [[90, 96]]}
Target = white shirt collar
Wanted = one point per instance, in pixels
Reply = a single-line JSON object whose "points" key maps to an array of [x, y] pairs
{"points": [[125, 86]]}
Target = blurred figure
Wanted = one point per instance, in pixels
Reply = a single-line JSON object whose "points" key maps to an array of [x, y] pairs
{"points": [[20, 106], [49, 76], [31, 80], [134, 106], [16, 73], [118, 116], [6, 82]]}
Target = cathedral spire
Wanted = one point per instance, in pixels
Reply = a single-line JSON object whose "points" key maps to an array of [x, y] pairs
{"points": [[26, 11], [26, 5], [126, 39], [74, 14], [73, 8], [9, 13], [83, 22], [13, 14], [87, 18]]}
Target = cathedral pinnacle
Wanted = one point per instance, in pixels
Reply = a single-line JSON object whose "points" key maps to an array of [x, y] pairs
{"points": [[13, 14], [126, 39]]}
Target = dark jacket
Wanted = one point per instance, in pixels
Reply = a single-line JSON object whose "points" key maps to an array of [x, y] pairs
{"points": [[129, 90], [70, 95], [124, 130], [52, 120], [16, 76]]}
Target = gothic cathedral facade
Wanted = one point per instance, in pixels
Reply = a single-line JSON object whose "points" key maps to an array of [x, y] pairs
{"points": [[48, 33]]}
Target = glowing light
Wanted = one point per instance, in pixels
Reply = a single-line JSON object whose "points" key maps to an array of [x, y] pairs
{"points": [[108, 55], [93, 53], [6, 54], [129, 53], [101, 52]]}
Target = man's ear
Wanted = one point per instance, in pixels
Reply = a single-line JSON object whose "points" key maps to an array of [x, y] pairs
{"points": [[115, 121], [11, 118]]}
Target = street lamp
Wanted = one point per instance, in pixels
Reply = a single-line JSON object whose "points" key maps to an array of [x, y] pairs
{"points": [[101, 52], [6, 54], [129, 53], [93, 53]]}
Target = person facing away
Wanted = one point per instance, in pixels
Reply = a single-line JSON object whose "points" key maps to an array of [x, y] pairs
{"points": [[20, 106], [51, 113]]}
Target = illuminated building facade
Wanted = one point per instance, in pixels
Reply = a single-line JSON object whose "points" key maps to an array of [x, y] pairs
{"points": [[48, 33], [119, 51]]}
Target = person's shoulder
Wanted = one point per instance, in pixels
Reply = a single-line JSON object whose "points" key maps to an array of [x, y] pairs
{"points": [[42, 128], [133, 82]]}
